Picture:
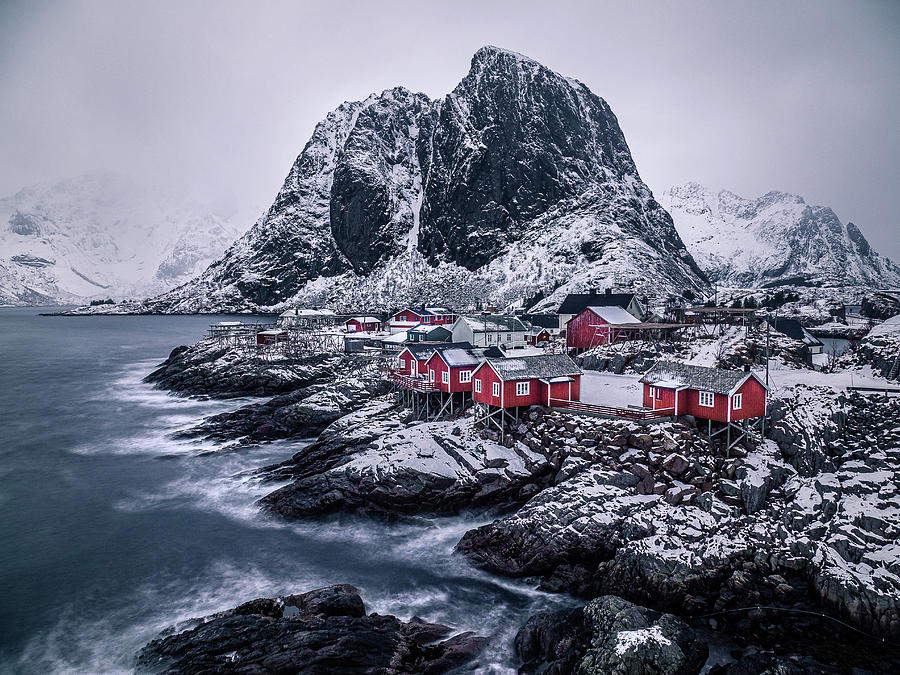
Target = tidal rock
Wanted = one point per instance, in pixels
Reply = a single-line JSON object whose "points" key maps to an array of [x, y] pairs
{"points": [[324, 630]]}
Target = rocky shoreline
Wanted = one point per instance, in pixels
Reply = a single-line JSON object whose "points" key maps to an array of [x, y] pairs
{"points": [[771, 543]]}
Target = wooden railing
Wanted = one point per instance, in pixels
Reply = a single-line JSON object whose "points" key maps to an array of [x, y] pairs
{"points": [[414, 383], [610, 411]]}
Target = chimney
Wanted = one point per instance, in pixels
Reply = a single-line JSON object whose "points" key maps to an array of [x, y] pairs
{"points": [[609, 291]]}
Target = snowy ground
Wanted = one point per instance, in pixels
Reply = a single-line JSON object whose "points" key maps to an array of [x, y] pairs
{"points": [[610, 389]]}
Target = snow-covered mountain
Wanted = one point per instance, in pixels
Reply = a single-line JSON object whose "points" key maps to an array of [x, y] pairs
{"points": [[100, 236], [776, 239], [519, 180]]}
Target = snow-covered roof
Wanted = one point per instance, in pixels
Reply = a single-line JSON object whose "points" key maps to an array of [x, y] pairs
{"points": [[545, 366], [396, 338], [613, 314], [673, 375], [364, 319], [427, 328], [229, 323], [272, 332], [494, 323], [309, 313], [420, 351], [460, 356]]}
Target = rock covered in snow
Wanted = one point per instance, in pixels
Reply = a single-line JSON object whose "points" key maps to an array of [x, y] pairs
{"points": [[518, 180], [776, 239]]}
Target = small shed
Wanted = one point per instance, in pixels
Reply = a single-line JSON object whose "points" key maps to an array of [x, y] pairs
{"points": [[597, 326], [362, 324], [526, 381], [706, 393], [271, 337]]}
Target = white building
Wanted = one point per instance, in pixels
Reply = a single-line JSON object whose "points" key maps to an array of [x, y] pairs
{"points": [[490, 330]]}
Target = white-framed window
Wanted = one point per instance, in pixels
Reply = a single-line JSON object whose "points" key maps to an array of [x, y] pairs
{"points": [[737, 401], [445, 377], [465, 376], [490, 337], [707, 399], [413, 366], [496, 389], [509, 337], [522, 388], [652, 392], [431, 374], [477, 386]]}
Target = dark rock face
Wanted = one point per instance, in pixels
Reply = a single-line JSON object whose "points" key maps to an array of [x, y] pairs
{"points": [[208, 369], [398, 181], [609, 636], [320, 631]]}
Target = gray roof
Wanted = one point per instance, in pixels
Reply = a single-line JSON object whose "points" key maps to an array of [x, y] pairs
{"points": [[462, 356], [702, 378], [542, 366], [421, 351], [494, 323]]}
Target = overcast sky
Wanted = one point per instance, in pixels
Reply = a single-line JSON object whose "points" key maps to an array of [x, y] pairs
{"points": [[221, 96]]}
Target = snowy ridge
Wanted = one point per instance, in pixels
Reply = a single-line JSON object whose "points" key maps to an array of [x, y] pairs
{"points": [[102, 236], [776, 239]]}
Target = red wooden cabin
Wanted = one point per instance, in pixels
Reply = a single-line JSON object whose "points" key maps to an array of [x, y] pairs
{"points": [[705, 393], [451, 369], [597, 326], [526, 381], [362, 324], [271, 337], [428, 316], [413, 358]]}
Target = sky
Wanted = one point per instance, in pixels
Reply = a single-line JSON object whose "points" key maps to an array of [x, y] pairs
{"points": [[220, 97]]}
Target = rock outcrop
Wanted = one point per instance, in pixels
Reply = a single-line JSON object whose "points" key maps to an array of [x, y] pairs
{"points": [[325, 630]]}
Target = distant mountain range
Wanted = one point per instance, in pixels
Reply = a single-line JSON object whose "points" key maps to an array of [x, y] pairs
{"points": [[774, 240], [518, 181], [102, 236]]}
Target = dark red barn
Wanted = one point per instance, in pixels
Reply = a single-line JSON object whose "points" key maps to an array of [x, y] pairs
{"points": [[526, 381], [705, 393], [596, 326], [271, 337], [362, 324]]}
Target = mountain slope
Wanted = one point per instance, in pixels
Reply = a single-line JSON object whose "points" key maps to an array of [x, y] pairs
{"points": [[102, 236], [776, 239], [519, 180]]}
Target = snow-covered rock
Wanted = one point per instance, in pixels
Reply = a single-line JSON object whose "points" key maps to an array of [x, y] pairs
{"points": [[519, 180], [776, 239], [100, 236]]}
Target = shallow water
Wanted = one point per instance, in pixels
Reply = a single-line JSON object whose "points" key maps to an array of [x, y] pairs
{"points": [[112, 530]]}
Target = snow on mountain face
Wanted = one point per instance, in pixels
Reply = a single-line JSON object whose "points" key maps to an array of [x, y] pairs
{"points": [[517, 181], [102, 236], [777, 239]]}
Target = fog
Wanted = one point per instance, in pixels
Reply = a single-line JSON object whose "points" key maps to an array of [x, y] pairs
{"points": [[220, 97]]}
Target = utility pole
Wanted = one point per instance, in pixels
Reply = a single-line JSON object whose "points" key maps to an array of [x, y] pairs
{"points": [[768, 352]]}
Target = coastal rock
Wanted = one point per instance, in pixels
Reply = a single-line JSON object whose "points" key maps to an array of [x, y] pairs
{"points": [[212, 370], [325, 630], [609, 636]]}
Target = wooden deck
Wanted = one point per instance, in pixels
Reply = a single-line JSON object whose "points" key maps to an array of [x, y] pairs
{"points": [[638, 414], [414, 383]]}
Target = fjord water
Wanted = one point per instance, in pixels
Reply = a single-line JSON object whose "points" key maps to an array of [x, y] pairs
{"points": [[111, 530]]}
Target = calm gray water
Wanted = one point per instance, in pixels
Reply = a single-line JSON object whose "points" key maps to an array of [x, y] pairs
{"points": [[112, 531]]}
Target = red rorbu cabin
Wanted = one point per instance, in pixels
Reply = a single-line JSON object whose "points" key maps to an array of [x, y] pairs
{"points": [[426, 316], [526, 381], [706, 393], [271, 337], [597, 326], [451, 369], [414, 357], [362, 324]]}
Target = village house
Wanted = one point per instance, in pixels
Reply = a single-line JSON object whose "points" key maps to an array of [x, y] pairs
{"points": [[575, 303], [490, 330], [271, 337], [793, 329], [544, 327], [451, 369], [362, 324], [427, 333], [706, 393], [412, 359], [598, 326], [526, 381], [429, 316]]}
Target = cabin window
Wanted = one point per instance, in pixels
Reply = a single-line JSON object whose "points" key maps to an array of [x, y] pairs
{"points": [[496, 388], [490, 337], [736, 401], [465, 376], [522, 388], [652, 392], [707, 399], [445, 377], [509, 337], [477, 386], [431, 375]]}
